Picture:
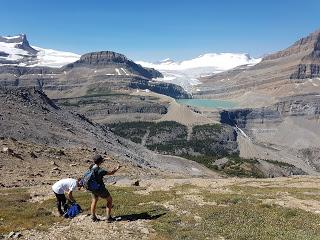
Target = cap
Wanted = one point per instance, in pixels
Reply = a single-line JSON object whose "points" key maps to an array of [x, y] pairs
{"points": [[97, 158]]}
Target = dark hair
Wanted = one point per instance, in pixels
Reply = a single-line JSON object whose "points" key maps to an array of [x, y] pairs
{"points": [[80, 182], [97, 159]]}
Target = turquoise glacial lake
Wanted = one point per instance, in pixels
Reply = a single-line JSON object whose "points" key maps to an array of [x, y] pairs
{"points": [[207, 103]]}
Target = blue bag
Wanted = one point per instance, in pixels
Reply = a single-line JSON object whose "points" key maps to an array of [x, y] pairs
{"points": [[73, 210]]}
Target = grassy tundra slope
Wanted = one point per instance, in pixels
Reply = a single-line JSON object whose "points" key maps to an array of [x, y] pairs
{"points": [[282, 208]]}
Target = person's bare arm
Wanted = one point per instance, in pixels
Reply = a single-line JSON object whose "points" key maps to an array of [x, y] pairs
{"points": [[70, 197], [114, 171]]}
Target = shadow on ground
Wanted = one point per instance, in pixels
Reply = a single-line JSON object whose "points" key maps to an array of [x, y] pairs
{"points": [[139, 216]]}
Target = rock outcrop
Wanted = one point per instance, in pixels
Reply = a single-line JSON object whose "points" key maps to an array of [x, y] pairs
{"points": [[108, 58], [169, 89]]}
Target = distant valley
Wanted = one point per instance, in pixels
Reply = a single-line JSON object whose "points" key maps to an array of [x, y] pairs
{"points": [[134, 102]]}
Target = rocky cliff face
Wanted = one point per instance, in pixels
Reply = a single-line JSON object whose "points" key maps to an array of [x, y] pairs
{"points": [[283, 131], [109, 58], [168, 89], [309, 49], [301, 105], [283, 73], [306, 71]]}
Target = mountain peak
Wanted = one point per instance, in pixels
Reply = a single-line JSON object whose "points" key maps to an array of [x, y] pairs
{"points": [[20, 38], [16, 50], [18, 42], [103, 57]]}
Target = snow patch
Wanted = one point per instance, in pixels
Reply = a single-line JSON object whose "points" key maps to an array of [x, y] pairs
{"points": [[54, 58], [118, 71], [187, 73], [14, 53], [218, 61], [125, 71]]}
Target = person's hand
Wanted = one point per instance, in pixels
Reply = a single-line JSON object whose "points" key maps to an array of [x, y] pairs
{"points": [[119, 166]]}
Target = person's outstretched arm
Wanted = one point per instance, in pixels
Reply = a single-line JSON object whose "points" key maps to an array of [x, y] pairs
{"points": [[113, 171]]}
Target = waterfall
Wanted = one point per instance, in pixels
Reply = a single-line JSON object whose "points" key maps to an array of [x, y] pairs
{"points": [[242, 132]]}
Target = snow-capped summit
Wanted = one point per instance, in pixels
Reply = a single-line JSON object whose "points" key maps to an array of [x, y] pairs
{"points": [[217, 61], [16, 50], [187, 72]]}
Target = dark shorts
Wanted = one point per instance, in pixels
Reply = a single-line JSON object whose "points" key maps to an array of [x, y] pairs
{"points": [[102, 193]]}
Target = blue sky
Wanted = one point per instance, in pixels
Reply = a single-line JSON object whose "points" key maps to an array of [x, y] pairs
{"points": [[157, 29]]}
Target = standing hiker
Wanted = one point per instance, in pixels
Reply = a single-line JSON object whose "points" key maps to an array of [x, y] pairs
{"points": [[67, 185], [98, 189]]}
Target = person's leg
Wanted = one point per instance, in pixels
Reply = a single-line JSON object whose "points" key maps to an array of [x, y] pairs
{"points": [[109, 206], [64, 202], [59, 203], [94, 206]]}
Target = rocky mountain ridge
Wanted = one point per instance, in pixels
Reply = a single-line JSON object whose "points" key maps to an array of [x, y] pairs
{"points": [[106, 69], [293, 71]]}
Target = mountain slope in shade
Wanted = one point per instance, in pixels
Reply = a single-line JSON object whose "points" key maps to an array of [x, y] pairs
{"points": [[16, 50], [187, 73]]}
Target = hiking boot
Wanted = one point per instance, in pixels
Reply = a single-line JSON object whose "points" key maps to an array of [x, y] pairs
{"points": [[94, 218]]}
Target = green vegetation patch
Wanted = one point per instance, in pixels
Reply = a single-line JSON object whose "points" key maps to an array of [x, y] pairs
{"points": [[207, 129], [242, 167], [135, 131], [131, 130], [126, 201], [239, 214], [281, 164], [17, 213], [235, 165], [169, 127], [100, 92], [258, 221], [272, 192]]}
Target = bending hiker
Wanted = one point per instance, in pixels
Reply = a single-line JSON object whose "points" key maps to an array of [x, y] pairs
{"points": [[63, 186], [100, 190]]}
